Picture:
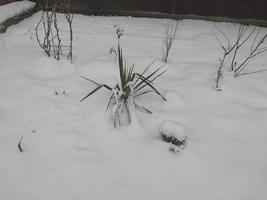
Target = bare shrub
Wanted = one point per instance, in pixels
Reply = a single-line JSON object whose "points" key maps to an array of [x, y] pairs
{"points": [[250, 39], [50, 39], [169, 37]]}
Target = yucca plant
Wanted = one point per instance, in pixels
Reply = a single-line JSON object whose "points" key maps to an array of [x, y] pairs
{"points": [[131, 85]]}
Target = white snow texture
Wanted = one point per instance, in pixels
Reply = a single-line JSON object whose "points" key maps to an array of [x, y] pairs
{"points": [[72, 151]]}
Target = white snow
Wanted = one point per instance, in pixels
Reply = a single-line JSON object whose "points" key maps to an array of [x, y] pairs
{"points": [[172, 129], [13, 9], [71, 150]]}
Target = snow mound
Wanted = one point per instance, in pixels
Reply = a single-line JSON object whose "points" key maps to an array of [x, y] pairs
{"points": [[13, 9], [172, 129]]}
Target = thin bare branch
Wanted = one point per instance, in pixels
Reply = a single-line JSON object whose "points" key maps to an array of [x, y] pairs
{"points": [[249, 73]]}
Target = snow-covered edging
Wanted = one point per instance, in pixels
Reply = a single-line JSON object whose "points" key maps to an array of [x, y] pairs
{"points": [[13, 13]]}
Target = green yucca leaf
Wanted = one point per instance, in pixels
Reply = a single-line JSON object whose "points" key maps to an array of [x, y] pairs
{"points": [[147, 78], [99, 86], [90, 80], [142, 93], [151, 86], [104, 85], [145, 70], [151, 81], [150, 64], [96, 89], [158, 75], [131, 71], [120, 59], [142, 109], [130, 76]]}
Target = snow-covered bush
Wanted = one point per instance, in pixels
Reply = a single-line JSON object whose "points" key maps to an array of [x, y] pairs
{"points": [[131, 85]]}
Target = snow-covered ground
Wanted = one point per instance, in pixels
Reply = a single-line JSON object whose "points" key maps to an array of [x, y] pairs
{"points": [[71, 150], [13, 9]]}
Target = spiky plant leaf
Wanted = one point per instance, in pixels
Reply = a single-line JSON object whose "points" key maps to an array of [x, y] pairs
{"points": [[151, 86], [95, 90], [145, 71], [151, 81], [142, 109], [142, 93], [90, 80], [147, 78]]}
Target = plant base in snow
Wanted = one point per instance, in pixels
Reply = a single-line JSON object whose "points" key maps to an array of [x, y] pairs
{"points": [[120, 113], [174, 134]]}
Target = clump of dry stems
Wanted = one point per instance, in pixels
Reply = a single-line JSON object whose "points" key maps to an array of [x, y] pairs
{"points": [[169, 37], [251, 39], [50, 38]]}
